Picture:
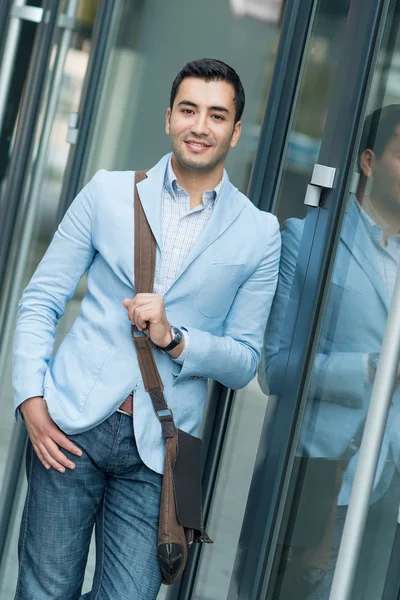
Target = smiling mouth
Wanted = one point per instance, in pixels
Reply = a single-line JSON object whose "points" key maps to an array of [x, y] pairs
{"points": [[197, 144]]}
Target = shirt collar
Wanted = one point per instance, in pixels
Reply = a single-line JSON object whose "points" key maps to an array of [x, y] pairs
{"points": [[173, 188]]}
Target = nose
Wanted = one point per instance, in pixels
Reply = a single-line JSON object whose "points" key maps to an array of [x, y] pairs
{"points": [[200, 126]]}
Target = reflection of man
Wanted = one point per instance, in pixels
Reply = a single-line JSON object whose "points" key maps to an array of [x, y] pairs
{"points": [[361, 289], [217, 265]]}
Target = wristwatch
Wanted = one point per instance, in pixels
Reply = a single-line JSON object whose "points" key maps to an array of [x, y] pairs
{"points": [[177, 337]]}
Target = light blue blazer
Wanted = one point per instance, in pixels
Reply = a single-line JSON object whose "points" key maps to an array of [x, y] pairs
{"points": [[354, 323], [222, 296]]}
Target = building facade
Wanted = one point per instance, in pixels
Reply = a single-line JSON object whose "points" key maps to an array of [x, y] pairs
{"points": [[84, 85]]}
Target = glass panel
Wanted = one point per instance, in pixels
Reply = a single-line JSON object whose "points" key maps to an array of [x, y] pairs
{"points": [[129, 130], [243, 437], [343, 371], [36, 222]]}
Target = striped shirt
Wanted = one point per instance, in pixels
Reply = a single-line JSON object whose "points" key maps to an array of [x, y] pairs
{"points": [[387, 256], [181, 226]]}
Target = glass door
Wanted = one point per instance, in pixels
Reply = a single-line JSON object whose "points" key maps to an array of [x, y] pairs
{"points": [[322, 357]]}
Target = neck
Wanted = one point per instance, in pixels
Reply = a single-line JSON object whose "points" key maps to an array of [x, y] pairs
{"points": [[196, 182], [388, 214]]}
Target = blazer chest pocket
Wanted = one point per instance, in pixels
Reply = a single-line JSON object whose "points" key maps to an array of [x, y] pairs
{"points": [[218, 289]]}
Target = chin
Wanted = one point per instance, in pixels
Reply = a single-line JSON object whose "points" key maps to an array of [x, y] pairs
{"points": [[189, 162]]}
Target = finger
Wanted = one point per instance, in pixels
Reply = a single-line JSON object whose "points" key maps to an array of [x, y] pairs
{"points": [[56, 453], [61, 440], [138, 314], [40, 457], [143, 297], [50, 460], [141, 302], [142, 317], [126, 302]]}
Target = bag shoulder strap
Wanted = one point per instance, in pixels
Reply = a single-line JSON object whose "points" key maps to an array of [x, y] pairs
{"points": [[145, 265], [145, 245]]}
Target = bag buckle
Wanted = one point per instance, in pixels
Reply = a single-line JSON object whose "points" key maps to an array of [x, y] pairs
{"points": [[167, 422], [167, 416], [138, 334]]}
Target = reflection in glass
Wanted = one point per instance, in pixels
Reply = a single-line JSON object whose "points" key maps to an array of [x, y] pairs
{"points": [[345, 363], [347, 355]]}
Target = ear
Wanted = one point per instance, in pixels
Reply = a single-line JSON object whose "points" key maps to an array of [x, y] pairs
{"points": [[167, 121], [367, 162], [236, 134]]}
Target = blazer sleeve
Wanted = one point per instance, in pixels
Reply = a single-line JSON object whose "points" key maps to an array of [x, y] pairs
{"points": [[338, 377], [54, 282], [233, 359]]}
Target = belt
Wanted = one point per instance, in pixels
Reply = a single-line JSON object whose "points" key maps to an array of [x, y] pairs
{"points": [[127, 405]]}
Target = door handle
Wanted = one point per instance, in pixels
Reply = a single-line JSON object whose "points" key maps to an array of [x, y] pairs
{"points": [[27, 13], [72, 134], [322, 178]]}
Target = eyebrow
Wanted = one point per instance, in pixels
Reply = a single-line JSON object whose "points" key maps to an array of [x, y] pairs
{"points": [[190, 103]]}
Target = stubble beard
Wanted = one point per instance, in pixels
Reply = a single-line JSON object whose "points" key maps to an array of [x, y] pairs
{"points": [[196, 164]]}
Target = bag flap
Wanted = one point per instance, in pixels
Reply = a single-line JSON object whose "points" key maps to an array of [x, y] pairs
{"points": [[186, 476]]}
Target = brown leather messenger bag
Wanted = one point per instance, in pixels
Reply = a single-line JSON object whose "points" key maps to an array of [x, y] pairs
{"points": [[181, 515]]}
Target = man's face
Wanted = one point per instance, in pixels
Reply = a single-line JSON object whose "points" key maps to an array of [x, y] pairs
{"points": [[385, 170], [201, 124]]}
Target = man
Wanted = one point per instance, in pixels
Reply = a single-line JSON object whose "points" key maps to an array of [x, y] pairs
{"points": [[216, 273], [360, 293]]}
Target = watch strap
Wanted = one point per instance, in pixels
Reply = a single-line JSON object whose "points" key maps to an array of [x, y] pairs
{"points": [[176, 340]]}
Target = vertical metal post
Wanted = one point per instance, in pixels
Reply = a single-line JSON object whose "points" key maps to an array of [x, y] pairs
{"points": [[369, 454], [24, 137], [106, 21], [10, 49]]}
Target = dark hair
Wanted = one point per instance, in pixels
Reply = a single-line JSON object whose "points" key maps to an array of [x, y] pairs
{"points": [[379, 129], [211, 69]]}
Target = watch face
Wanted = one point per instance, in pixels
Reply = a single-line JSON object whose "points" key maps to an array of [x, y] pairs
{"points": [[177, 334]]}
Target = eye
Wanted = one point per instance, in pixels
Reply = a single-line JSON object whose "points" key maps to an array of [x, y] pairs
{"points": [[187, 111], [218, 117]]}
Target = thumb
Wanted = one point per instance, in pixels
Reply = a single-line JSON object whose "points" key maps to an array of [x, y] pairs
{"points": [[126, 302]]}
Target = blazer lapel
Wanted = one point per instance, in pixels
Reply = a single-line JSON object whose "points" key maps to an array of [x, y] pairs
{"points": [[226, 210], [359, 242]]}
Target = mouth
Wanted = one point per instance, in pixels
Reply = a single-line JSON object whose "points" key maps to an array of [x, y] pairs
{"points": [[197, 146]]}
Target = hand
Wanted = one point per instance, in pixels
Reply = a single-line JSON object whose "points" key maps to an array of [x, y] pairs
{"points": [[46, 436], [147, 310]]}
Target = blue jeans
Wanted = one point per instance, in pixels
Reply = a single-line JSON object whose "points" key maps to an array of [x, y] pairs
{"points": [[110, 489]]}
